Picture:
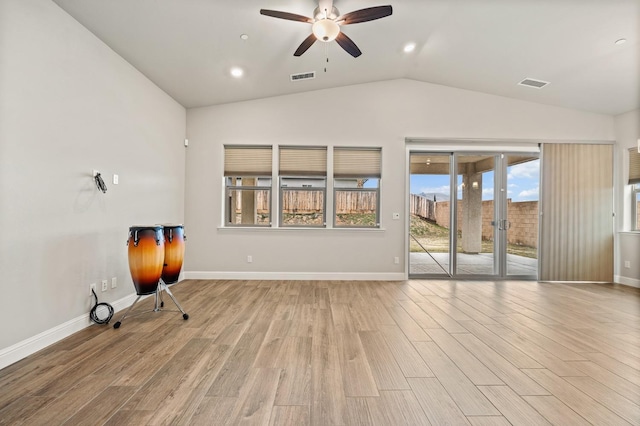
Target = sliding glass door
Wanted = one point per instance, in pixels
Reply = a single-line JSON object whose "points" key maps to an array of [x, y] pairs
{"points": [[521, 212], [492, 198], [477, 213], [430, 215]]}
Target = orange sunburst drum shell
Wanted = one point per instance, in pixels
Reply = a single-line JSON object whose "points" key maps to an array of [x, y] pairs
{"points": [[173, 253], [146, 256]]}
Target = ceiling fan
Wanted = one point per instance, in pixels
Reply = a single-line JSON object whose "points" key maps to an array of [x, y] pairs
{"points": [[326, 23]]}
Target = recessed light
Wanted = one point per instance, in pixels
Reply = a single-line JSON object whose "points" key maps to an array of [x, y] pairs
{"points": [[410, 47], [621, 41], [237, 72], [244, 36]]}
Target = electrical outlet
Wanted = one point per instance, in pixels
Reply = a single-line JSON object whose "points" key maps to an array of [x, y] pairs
{"points": [[92, 288], [627, 264], [105, 285], [249, 259], [114, 282], [396, 260]]}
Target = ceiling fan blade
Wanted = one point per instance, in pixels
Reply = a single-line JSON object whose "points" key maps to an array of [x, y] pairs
{"points": [[364, 15], [348, 45], [285, 15], [305, 45]]}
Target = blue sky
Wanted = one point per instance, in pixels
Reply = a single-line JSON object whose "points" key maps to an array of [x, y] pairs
{"points": [[522, 183]]}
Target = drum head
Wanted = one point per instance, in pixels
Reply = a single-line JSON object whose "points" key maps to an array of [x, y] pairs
{"points": [[145, 227]]}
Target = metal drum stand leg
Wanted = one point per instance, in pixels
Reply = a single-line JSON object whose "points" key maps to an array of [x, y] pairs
{"points": [[117, 324], [162, 286]]}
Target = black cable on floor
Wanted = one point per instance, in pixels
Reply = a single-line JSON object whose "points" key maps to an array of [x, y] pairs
{"points": [[94, 311]]}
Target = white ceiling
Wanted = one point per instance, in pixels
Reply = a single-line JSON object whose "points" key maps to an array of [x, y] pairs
{"points": [[187, 47]]}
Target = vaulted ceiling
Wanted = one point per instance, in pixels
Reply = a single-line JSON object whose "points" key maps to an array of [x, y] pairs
{"points": [[188, 47]]}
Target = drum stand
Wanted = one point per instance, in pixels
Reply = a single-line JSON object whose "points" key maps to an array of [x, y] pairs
{"points": [[159, 303]]}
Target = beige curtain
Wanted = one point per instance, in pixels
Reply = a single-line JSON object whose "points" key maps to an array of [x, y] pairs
{"points": [[576, 241]]}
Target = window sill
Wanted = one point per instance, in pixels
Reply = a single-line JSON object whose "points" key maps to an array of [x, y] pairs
{"points": [[292, 228], [629, 232]]}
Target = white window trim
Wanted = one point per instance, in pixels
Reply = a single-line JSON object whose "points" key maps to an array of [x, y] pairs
{"points": [[635, 191]]}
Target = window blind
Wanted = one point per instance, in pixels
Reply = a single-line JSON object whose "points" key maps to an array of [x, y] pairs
{"points": [[634, 166], [357, 162], [247, 160], [303, 161]]}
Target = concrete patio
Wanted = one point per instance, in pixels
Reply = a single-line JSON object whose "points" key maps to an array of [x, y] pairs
{"points": [[470, 264]]}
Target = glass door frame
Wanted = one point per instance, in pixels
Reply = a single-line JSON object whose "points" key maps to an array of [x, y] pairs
{"points": [[504, 213], [497, 258]]}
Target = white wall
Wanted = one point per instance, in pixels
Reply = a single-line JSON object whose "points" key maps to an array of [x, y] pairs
{"points": [[627, 127], [68, 105], [375, 114]]}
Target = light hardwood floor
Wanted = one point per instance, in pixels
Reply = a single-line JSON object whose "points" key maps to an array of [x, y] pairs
{"points": [[350, 353]]}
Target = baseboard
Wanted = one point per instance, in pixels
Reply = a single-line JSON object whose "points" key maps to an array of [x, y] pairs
{"points": [[23, 349], [334, 276], [633, 282]]}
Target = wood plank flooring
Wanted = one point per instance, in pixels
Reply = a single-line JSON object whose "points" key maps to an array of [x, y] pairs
{"points": [[346, 353]]}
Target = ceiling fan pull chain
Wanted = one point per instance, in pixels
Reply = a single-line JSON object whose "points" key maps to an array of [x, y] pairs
{"points": [[326, 53]]}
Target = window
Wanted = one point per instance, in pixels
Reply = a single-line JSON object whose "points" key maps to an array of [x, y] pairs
{"points": [[247, 171], [356, 187], [303, 181], [634, 181]]}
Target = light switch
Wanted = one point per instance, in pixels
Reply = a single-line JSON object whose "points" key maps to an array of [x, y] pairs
{"points": [[115, 179]]}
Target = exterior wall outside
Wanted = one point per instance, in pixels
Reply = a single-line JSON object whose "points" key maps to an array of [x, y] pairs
{"points": [[522, 215], [524, 220]]}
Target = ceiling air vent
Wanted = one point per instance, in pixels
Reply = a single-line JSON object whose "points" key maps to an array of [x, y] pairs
{"points": [[303, 76], [532, 82]]}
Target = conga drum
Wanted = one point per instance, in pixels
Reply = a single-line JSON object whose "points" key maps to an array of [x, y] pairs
{"points": [[173, 252], [146, 257]]}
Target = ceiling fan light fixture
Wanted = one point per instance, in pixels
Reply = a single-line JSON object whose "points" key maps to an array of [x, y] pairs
{"points": [[325, 30]]}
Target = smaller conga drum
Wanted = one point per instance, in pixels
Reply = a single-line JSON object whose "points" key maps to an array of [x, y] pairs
{"points": [[146, 257], [173, 252]]}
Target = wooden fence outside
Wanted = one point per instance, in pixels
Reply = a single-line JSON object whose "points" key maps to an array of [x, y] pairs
{"points": [[312, 201], [423, 207]]}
